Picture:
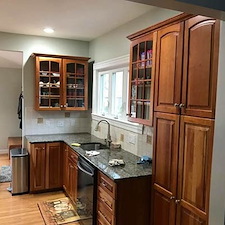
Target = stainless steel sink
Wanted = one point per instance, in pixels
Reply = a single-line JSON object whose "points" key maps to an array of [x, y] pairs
{"points": [[93, 146]]}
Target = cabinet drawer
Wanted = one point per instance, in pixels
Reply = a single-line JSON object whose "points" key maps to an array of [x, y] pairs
{"points": [[106, 200], [107, 184], [104, 215], [73, 155]]}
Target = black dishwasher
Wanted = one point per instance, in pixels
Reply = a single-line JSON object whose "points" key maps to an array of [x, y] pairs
{"points": [[86, 192]]}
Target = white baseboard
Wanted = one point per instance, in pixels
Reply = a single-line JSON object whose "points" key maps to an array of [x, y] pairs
{"points": [[4, 151]]}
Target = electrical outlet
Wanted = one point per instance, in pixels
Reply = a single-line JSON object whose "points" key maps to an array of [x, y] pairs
{"points": [[122, 137], [149, 139], [67, 114], [60, 123], [40, 120]]}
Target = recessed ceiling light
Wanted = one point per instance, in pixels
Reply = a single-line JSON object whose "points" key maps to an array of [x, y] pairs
{"points": [[48, 30]]}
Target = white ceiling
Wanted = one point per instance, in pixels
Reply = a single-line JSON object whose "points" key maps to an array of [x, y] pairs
{"points": [[72, 19]]}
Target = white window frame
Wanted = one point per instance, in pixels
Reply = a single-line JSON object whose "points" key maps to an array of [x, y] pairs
{"points": [[115, 64], [124, 93]]}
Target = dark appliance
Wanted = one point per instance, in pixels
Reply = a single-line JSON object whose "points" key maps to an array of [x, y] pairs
{"points": [[86, 192]]}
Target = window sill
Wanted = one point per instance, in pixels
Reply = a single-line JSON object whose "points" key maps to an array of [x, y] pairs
{"points": [[126, 125]]}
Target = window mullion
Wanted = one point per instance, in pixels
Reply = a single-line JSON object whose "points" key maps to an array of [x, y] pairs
{"points": [[110, 93]]}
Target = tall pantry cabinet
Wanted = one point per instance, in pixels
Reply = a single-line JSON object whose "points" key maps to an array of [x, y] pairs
{"points": [[184, 106]]}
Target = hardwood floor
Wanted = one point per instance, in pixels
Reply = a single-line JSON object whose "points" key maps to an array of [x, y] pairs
{"points": [[22, 209]]}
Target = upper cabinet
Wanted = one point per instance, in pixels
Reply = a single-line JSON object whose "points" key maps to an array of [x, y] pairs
{"points": [[169, 68], [200, 66], [186, 67], [61, 83], [142, 58]]}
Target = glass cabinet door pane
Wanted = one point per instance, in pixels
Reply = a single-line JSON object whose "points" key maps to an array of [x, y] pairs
{"points": [[134, 71], [147, 90], [148, 73], [146, 110], [44, 66], [54, 102], [134, 91], [142, 52], [149, 45], [141, 71], [54, 66], [135, 53], [70, 67], [139, 113], [80, 68], [133, 108], [140, 91], [44, 102]]}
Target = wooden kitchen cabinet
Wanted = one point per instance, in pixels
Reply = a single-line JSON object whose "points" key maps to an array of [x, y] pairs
{"points": [[61, 82], [191, 90], [65, 167], [181, 169], [141, 80], [53, 165], [71, 173], [200, 66], [168, 68], [37, 167], [125, 201], [45, 166]]}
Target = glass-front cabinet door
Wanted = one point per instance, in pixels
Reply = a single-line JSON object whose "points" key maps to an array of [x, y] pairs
{"points": [[75, 84], [141, 80], [61, 82], [49, 81]]}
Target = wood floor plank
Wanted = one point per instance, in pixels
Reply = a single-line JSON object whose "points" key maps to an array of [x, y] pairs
{"points": [[22, 209]]}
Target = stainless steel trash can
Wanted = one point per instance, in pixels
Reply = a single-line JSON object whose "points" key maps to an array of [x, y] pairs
{"points": [[19, 164]]}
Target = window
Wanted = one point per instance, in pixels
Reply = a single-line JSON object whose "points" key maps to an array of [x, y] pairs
{"points": [[112, 93]]}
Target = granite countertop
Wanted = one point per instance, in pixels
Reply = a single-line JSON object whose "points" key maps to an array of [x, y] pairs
{"points": [[130, 170]]}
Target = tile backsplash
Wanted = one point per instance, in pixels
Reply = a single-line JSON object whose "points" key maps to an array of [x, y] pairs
{"points": [[130, 141], [50, 122]]}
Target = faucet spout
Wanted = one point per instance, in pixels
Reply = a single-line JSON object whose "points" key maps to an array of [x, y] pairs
{"points": [[108, 139]]}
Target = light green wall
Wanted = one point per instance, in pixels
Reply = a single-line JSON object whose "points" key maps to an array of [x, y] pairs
{"points": [[10, 89], [35, 44], [115, 43]]}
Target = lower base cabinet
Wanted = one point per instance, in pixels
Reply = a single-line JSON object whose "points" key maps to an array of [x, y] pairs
{"points": [[45, 166], [181, 169], [126, 201], [70, 174]]}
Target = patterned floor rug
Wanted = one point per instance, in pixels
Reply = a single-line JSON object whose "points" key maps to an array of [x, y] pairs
{"points": [[60, 211], [5, 174]]}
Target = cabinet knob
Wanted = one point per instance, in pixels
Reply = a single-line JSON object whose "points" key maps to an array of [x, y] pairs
{"points": [[172, 197], [104, 184], [182, 105], [61, 106], [129, 114], [176, 105], [177, 201]]}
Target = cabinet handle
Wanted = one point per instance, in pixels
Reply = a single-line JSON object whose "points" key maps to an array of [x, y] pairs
{"points": [[177, 201], [104, 184], [176, 105], [182, 105], [172, 197]]}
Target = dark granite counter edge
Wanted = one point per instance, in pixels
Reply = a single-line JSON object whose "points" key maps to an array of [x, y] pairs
{"points": [[107, 170]]}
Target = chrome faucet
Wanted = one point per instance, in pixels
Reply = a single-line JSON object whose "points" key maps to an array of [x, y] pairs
{"points": [[108, 140]]}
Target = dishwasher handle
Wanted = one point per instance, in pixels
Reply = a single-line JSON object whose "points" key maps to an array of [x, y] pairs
{"points": [[88, 170]]}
